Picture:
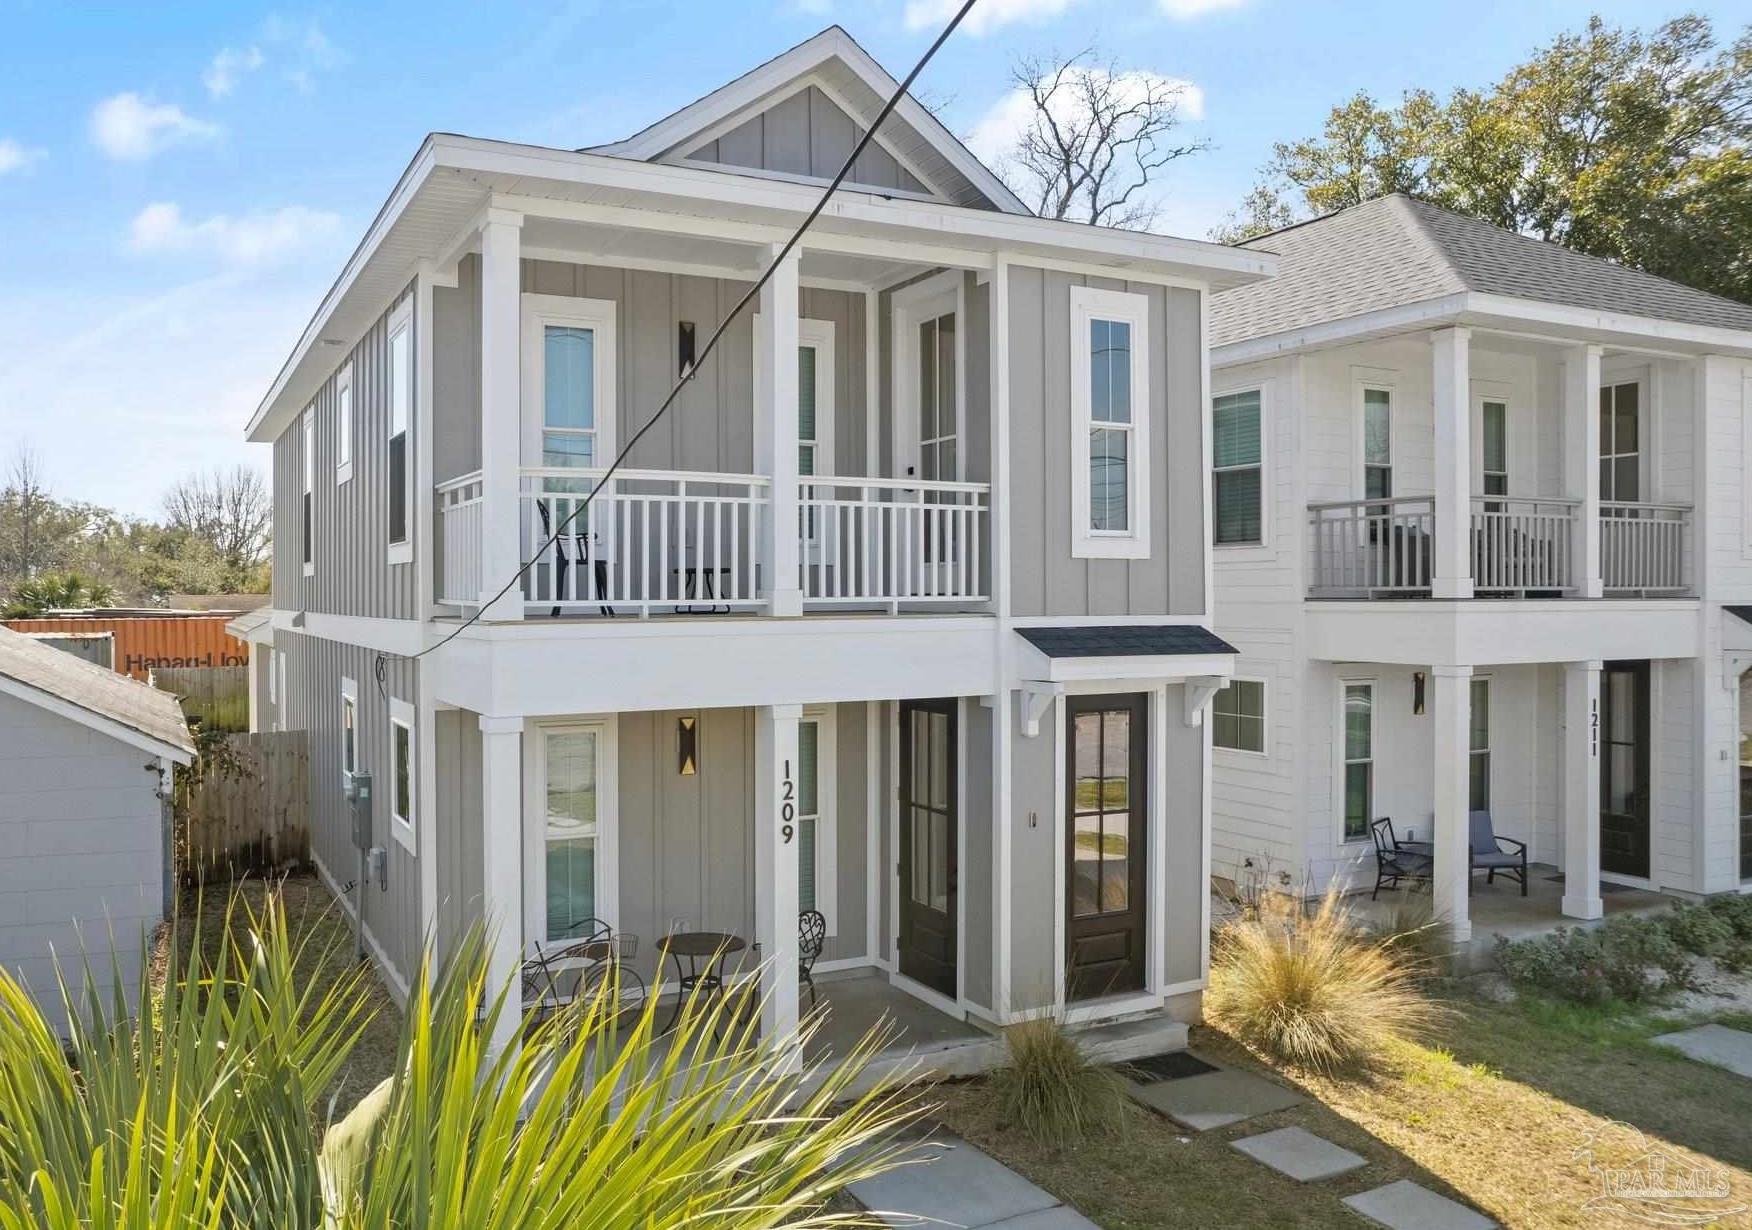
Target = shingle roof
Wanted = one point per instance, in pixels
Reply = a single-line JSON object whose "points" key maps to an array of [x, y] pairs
{"points": [[1125, 640], [152, 713], [1394, 251]]}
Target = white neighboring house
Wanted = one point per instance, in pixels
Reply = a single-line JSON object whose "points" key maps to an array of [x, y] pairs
{"points": [[901, 616], [1482, 514], [86, 758]]}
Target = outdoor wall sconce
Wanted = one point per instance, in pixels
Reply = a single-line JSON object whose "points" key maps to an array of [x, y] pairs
{"points": [[1417, 693], [688, 732], [685, 346]]}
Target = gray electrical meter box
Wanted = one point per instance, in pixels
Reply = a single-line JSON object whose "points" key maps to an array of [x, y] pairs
{"points": [[358, 793]]}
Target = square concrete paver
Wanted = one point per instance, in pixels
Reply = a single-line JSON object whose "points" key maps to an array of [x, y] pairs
{"points": [[1059, 1218], [956, 1185], [1299, 1153], [1716, 1044], [1216, 1099], [1406, 1206]]}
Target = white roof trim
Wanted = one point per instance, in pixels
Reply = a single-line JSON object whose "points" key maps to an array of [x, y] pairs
{"points": [[119, 731], [751, 90], [1032, 665]]}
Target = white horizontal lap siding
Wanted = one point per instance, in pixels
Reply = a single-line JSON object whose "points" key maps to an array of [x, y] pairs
{"points": [[1256, 811]]}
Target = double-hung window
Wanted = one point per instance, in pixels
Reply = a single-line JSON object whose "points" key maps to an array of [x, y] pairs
{"points": [[1620, 442], [344, 425], [1495, 423], [1236, 469], [571, 877], [1377, 444], [1478, 746], [401, 402], [403, 783], [1359, 759], [1238, 716], [817, 872], [1110, 424], [307, 509]]}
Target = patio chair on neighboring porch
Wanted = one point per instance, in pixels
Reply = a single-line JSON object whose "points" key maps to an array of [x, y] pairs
{"points": [[1394, 862], [811, 939], [1488, 854]]}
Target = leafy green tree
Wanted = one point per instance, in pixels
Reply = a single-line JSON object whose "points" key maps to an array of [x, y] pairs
{"points": [[1629, 146]]}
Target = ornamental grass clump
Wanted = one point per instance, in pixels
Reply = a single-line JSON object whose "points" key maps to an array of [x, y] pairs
{"points": [[1314, 988], [1051, 1089]]}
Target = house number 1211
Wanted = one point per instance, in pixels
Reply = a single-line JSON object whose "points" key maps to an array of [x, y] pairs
{"points": [[787, 806]]}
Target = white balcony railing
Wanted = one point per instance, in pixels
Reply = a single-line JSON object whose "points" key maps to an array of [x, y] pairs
{"points": [[1642, 547], [1522, 546], [459, 540], [881, 541], [1364, 547]]}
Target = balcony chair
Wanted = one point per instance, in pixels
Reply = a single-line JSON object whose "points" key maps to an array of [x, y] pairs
{"points": [[811, 939], [1489, 855], [1393, 862], [563, 559], [591, 956]]}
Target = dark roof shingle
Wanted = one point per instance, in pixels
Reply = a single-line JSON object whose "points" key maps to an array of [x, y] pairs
{"points": [[1125, 640]]}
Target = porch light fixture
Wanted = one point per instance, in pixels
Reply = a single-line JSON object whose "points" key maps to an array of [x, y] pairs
{"points": [[688, 738], [1417, 693], [685, 346]]}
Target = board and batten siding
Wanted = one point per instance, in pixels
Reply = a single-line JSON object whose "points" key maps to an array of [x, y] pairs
{"points": [[807, 134], [1047, 578], [314, 670], [353, 575]]}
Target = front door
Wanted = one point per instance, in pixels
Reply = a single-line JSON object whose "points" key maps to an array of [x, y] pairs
{"points": [[926, 947], [1105, 844], [1624, 768]]}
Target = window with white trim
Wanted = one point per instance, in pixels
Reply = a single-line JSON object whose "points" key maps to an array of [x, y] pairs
{"points": [[1494, 416], [273, 674], [349, 730], [1621, 441], [401, 403], [307, 509], [1238, 716], [1358, 736], [403, 783], [1478, 748], [1237, 516], [1110, 423], [817, 852], [284, 702], [344, 425], [572, 803], [1377, 444]]}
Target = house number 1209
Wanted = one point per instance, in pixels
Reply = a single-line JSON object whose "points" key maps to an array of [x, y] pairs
{"points": [[787, 806]]}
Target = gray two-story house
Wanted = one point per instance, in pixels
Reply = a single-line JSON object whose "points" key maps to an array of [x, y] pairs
{"points": [[899, 616]]}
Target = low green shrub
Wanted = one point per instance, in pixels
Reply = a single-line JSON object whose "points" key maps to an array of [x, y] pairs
{"points": [[1630, 960], [1701, 930], [1051, 1089], [1735, 910]]}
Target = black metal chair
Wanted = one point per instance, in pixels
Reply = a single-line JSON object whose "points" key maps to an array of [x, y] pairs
{"points": [[1394, 863], [1489, 856], [563, 559], [578, 966], [811, 939]]}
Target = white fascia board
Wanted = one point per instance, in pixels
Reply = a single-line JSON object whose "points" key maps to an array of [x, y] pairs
{"points": [[1474, 632], [254, 627], [1400, 319], [1590, 324], [1032, 666], [121, 732]]}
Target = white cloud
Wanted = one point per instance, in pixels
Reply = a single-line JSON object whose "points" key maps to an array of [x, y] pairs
{"points": [[996, 132], [16, 157], [248, 239], [229, 66], [986, 15], [130, 128], [1189, 10], [305, 50]]}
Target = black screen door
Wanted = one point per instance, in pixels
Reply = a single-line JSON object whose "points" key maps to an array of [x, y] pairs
{"points": [[926, 946], [1624, 768], [1106, 881]]}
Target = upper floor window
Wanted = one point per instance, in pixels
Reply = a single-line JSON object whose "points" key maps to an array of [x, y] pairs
{"points": [[1621, 442], [1238, 716], [344, 425], [1237, 470], [569, 393], [1110, 444], [307, 511], [1377, 444], [401, 399], [1495, 416]]}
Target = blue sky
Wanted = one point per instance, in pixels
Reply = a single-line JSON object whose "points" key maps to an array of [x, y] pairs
{"points": [[180, 183]]}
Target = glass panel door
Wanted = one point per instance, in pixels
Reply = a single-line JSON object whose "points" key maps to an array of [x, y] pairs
{"points": [[927, 941], [1106, 896]]}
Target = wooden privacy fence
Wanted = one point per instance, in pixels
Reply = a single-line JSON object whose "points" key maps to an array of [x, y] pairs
{"points": [[215, 696], [247, 807]]}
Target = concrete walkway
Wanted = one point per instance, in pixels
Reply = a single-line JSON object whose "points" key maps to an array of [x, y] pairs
{"points": [[956, 1185], [1714, 1044]]}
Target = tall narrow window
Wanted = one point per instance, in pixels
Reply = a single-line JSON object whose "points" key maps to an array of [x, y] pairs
{"points": [[1359, 759], [570, 829], [1620, 443], [1377, 444], [401, 397], [568, 434], [1746, 776], [349, 730], [1110, 453], [401, 770], [808, 811], [1496, 448], [1236, 469], [1238, 716], [307, 510], [1478, 793], [937, 412], [344, 425], [807, 440]]}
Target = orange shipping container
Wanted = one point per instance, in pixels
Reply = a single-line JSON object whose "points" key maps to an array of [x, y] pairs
{"points": [[148, 640]]}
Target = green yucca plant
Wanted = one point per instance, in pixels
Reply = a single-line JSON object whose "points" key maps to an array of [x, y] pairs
{"points": [[204, 1108]]}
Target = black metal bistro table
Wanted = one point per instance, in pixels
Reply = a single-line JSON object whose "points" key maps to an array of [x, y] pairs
{"points": [[698, 957]]}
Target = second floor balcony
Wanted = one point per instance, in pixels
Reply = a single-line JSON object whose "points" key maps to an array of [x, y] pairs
{"points": [[1515, 547]]}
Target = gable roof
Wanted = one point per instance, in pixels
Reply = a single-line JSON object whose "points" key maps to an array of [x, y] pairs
{"points": [[834, 59], [102, 699], [1396, 251]]}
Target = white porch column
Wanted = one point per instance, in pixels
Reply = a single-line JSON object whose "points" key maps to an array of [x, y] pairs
{"points": [[1450, 353], [1581, 790], [1581, 462], [501, 409], [775, 434], [1452, 708], [775, 867], [502, 867]]}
